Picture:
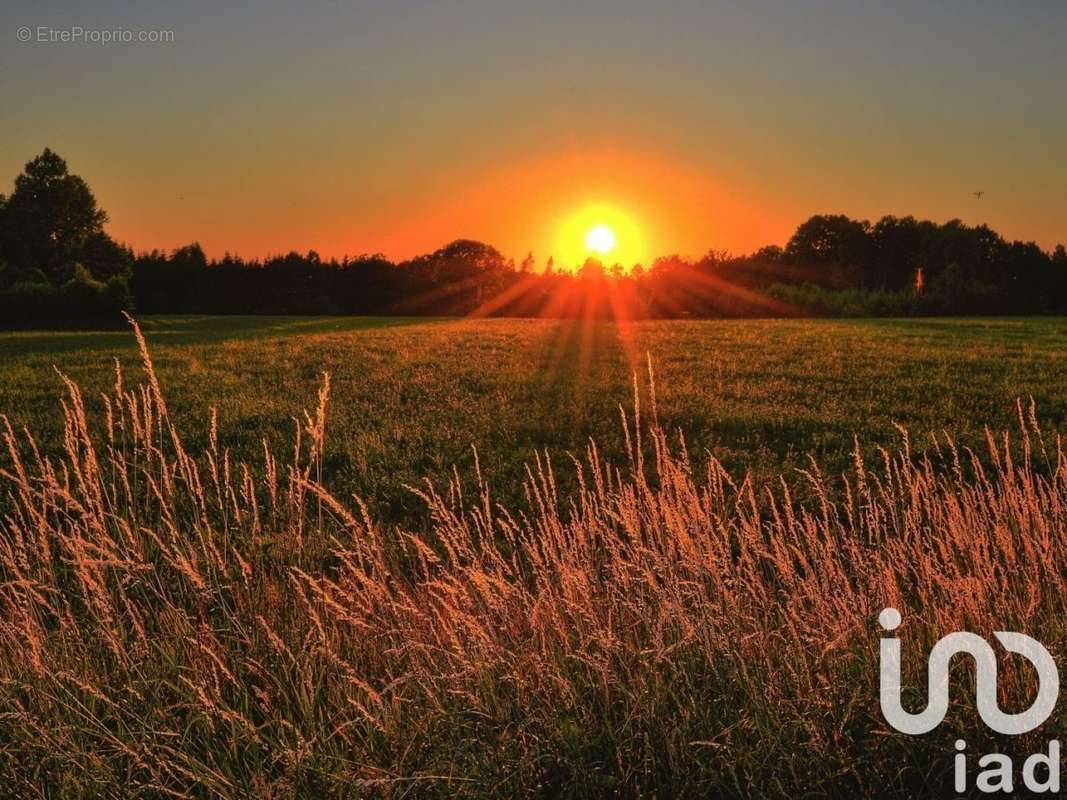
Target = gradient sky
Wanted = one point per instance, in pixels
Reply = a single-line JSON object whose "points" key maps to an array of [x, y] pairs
{"points": [[354, 127]]}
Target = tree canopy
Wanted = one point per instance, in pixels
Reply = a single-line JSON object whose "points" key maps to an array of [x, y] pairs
{"points": [[56, 260]]}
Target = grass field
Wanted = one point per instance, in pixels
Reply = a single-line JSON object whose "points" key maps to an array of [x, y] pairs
{"points": [[637, 622], [411, 397]]}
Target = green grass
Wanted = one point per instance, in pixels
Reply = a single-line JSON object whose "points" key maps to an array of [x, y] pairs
{"points": [[412, 396]]}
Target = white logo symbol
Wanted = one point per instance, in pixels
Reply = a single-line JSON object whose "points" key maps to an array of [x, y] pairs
{"points": [[985, 662]]}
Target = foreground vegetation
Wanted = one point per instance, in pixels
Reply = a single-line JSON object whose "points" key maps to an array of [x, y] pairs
{"points": [[177, 623]]}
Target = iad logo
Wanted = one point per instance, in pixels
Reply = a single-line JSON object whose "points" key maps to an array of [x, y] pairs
{"points": [[998, 773], [985, 663]]}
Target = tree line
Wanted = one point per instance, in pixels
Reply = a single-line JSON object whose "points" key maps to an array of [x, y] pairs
{"points": [[58, 266]]}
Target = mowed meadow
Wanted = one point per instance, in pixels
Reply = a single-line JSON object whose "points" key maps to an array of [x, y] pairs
{"points": [[501, 558]]}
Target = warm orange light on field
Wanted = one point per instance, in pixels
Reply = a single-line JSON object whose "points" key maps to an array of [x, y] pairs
{"points": [[602, 231]]}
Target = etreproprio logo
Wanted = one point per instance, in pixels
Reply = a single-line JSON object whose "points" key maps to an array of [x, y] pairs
{"points": [[1041, 771]]}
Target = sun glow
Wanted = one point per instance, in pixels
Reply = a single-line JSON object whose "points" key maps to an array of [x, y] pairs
{"points": [[600, 239], [600, 231]]}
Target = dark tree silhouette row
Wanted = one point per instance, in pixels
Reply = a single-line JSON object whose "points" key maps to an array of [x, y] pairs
{"points": [[59, 266]]}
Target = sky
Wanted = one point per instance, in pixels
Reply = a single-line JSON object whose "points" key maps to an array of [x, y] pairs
{"points": [[395, 127]]}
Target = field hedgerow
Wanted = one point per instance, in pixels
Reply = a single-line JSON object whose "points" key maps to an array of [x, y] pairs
{"points": [[180, 624]]}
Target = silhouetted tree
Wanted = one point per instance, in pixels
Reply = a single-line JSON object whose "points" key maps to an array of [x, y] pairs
{"points": [[840, 244], [897, 244], [592, 269], [50, 219], [57, 265], [105, 258]]}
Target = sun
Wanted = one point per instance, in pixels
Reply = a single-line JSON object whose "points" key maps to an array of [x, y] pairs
{"points": [[600, 239], [600, 230]]}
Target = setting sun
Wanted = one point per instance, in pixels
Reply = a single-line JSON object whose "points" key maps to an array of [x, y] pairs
{"points": [[602, 231], [600, 239]]}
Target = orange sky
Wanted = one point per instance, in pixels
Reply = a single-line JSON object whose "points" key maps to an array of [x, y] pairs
{"points": [[528, 206], [396, 127]]}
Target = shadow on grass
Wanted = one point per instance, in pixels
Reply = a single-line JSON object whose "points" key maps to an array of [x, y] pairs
{"points": [[195, 329]]}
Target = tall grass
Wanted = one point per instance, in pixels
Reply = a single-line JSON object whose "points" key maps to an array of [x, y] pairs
{"points": [[179, 624]]}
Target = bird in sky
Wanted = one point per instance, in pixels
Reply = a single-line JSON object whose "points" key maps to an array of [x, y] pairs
{"points": [[978, 194]]}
